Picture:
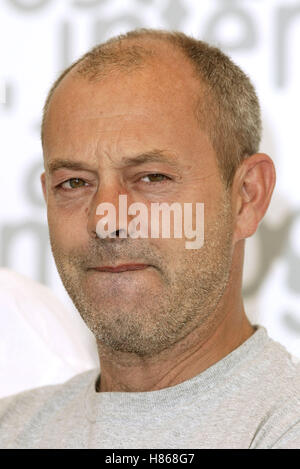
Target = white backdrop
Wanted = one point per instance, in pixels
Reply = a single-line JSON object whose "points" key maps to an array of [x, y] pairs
{"points": [[38, 38]]}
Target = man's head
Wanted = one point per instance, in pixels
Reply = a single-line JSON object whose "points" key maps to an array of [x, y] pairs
{"points": [[225, 103], [153, 104]]}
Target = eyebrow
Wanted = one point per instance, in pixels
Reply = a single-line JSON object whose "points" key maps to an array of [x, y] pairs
{"points": [[157, 156], [68, 164]]}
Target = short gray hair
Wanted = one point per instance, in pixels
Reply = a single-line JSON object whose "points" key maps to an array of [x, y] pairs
{"points": [[228, 110]]}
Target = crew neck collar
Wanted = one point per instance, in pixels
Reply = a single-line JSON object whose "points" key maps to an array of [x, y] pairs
{"points": [[199, 387]]}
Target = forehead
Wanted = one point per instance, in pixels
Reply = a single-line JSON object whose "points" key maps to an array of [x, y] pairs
{"points": [[149, 107], [165, 79]]}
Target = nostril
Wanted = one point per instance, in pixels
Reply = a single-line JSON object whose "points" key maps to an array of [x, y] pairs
{"points": [[121, 233]]}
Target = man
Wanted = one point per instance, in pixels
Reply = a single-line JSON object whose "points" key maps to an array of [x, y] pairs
{"points": [[158, 117]]}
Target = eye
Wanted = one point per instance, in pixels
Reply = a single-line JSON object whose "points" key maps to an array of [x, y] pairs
{"points": [[157, 177], [73, 183]]}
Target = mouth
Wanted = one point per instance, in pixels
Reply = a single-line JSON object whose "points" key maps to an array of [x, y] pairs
{"points": [[120, 268]]}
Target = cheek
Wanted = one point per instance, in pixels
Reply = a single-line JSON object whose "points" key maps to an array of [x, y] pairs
{"points": [[171, 254], [67, 228]]}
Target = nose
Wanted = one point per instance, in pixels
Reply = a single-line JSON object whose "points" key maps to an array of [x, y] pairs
{"points": [[107, 217]]}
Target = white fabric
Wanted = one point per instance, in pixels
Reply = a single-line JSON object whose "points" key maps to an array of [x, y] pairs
{"points": [[41, 341]]}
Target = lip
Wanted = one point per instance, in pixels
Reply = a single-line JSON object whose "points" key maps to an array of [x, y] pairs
{"points": [[120, 268]]}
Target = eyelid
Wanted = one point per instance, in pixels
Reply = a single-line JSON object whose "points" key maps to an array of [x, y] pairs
{"points": [[167, 178], [59, 186], [62, 175]]}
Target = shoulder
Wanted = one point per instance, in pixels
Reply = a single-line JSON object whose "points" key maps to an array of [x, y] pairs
{"points": [[23, 410], [278, 377], [270, 363], [283, 369]]}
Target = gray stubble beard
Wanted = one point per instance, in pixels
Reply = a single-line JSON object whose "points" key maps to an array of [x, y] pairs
{"points": [[188, 300]]}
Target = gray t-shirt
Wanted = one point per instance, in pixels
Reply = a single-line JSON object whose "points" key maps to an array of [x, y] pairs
{"points": [[249, 399]]}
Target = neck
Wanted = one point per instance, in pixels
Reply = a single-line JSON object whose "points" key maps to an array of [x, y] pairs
{"points": [[124, 372]]}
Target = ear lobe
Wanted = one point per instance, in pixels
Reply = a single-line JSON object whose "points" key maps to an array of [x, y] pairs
{"points": [[252, 190]]}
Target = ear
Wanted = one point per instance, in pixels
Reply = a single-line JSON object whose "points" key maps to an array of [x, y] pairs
{"points": [[44, 187], [252, 189]]}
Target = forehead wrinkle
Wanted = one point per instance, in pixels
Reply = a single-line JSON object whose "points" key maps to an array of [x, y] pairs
{"points": [[155, 155]]}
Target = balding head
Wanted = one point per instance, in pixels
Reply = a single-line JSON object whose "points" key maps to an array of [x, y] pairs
{"points": [[225, 103]]}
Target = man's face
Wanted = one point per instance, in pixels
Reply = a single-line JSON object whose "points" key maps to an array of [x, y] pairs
{"points": [[97, 125]]}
